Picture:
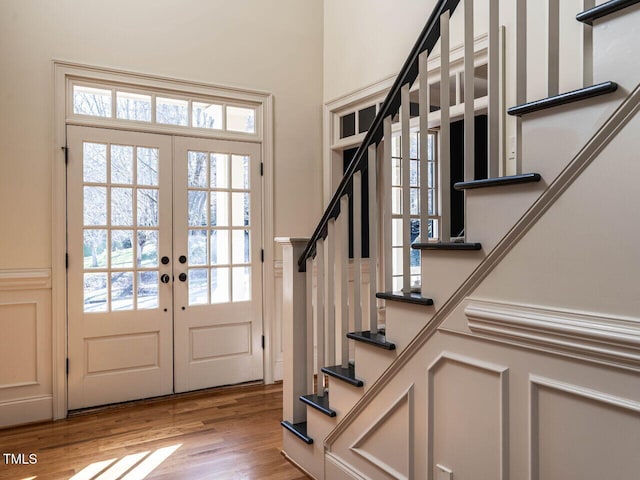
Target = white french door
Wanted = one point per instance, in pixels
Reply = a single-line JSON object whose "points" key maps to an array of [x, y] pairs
{"points": [[164, 274]]}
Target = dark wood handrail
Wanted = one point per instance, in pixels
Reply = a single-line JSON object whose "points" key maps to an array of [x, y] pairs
{"points": [[426, 41]]}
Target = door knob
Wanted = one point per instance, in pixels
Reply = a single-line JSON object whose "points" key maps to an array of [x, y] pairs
{"points": [[183, 277], [182, 259], [164, 260], [165, 278]]}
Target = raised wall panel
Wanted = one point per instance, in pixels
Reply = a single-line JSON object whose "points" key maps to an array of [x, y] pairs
{"points": [[583, 434], [18, 344], [467, 412], [122, 352]]}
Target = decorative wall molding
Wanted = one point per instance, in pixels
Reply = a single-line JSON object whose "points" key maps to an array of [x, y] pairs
{"points": [[503, 378], [535, 382], [277, 269], [571, 332], [344, 468], [25, 279]]}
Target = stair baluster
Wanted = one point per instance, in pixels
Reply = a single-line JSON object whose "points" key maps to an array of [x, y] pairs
{"points": [[342, 263], [424, 102], [373, 238], [405, 110], [444, 183], [330, 294], [319, 317], [357, 250]]}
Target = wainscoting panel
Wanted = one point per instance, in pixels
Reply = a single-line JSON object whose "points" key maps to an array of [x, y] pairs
{"points": [[25, 346]]}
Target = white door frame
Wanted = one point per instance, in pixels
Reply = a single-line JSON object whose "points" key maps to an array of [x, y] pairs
{"points": [[63, 73]]}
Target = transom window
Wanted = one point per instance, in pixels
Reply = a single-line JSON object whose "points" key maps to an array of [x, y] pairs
{"points": [[161, 108]]}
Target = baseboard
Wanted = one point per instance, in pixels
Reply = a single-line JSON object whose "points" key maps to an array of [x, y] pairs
{"points": [[342, 469], [26, 410]]}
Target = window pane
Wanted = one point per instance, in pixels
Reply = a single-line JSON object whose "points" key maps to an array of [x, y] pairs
{"points": [[396, 146], [147, 166], [91, 101], [133, 106], [219, 170], [220, 285], [122, 291], [94, 163], [396, 232], [414, 174], [348, 125], [396, 200], [239, 172], [365, 118], [240, 246], [198, 286], [147, 207], [431, 173], [206, 115], [415, 231], [147, 290], [95, 205], [414, 195], [197, 208], [219, 247], [396, 259], [219, 209], [241, 119], [397, 284], [122, 206], [197, 169], [240, 209], [172, 111], [396, 172], [121, 164], [413, 145], [95, 292], [431, 200], [241, 284], [121, 249], [147, 248], [197, 246], [95, 249]]}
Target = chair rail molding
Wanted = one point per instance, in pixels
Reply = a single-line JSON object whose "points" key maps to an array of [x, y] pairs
{"points": [[580, 334], [25, 279]]}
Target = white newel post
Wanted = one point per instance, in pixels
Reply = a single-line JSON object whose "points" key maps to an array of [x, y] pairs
{"points": [[294, 330]]}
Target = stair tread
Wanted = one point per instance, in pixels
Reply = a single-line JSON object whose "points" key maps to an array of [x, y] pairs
{"points": [[299, 430], [375, 339], [345, 374], [319, 403], [498, 181], [446, 246], [607, 8], [412, 297], [564, 98]]}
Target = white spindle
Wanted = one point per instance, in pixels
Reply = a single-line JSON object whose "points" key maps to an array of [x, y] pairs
{"points": [[310, 367], [405, 109], [423, 107], [553, 47], [587, 48], [521, 78], [330, 290], [445, 147], [469, 112], [373, 238], [386, 214], [357, 250], [493, 91], [342, 262], [320, 306]]}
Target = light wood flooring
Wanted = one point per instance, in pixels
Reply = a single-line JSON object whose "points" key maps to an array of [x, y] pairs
{"points": [[232, 433]]}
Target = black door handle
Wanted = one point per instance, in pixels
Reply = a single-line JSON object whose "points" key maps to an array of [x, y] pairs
{"points": [[164, 260], [165, 278], [183, 277], [182, 259]]}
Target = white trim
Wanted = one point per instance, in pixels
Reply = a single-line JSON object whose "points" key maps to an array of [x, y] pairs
{"points": [[62, 72], [21, 411], [344, 467], [569, 331], [25, 279]]}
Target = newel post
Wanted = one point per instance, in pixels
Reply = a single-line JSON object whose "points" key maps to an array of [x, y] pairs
{"points": [[294, 330]]}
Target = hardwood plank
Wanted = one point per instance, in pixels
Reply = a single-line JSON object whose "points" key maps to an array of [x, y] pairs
{"points": [[223, 434]]}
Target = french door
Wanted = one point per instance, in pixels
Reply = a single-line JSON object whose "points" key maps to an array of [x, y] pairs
{"points": [[164, 277]]}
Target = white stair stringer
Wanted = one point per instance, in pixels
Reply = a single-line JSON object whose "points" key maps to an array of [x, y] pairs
{"points": [[494, 368]]}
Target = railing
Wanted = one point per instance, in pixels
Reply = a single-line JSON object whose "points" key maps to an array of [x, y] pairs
{"points": [[319, 269]]}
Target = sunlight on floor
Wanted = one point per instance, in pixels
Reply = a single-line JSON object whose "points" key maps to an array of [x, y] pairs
{"points": [[30, 478], [138, 466]]}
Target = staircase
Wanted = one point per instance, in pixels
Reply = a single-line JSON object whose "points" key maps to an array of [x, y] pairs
{"points": [[505, 356]]}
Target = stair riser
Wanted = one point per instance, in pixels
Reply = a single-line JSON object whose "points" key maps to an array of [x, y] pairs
{"points": [[442, 273], [371, 361], [343, 396], [404, 321]]}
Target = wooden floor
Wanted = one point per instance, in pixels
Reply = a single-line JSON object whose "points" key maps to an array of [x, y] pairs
{"points": [[223, 434]]}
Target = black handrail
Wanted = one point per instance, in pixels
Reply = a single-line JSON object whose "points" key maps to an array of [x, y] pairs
{"points": [[409, 72]]}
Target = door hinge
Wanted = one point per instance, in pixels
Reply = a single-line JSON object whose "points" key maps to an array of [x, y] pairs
{"points": [[66, 154], [66, 260], [263, 342], [261, 169], [67, 366], [262, 255]]}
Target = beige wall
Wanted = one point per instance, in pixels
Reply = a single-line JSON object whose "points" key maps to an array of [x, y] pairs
{"points": [[368, 40], [269, 46]]}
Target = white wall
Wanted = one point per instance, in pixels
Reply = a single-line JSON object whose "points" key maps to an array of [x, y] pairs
{"points": [[274, 47], [368, 40]]}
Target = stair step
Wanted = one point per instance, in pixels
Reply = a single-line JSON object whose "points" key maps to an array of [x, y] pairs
{"points": [[345, 374], [599, 11], [564, 98], [446, 246], [319, 403], [498, 181], [412, 297], [299, 430], [375, 339]]}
